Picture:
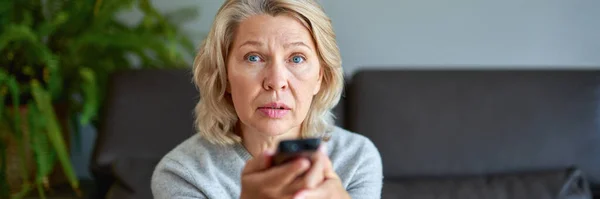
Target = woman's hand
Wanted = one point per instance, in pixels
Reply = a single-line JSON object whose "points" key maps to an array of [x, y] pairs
{"points": [[259, 180], [321, 181], [296, 179]]}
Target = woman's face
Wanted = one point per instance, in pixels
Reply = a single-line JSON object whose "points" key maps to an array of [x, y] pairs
{"points": [[273, 72]]}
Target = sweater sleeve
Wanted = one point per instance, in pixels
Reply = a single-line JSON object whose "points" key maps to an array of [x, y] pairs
{"points": [[367, 182], [172, 180]]}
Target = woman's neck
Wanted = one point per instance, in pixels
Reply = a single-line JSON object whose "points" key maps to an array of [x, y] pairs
{"points": [[256, 142]]}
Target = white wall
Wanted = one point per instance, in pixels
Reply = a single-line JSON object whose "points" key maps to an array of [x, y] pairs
{"points": [[480, 33], [453, 33]]}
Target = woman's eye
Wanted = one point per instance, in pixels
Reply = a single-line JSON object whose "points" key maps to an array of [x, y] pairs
{"points": [[253, 58], [297, 59]]}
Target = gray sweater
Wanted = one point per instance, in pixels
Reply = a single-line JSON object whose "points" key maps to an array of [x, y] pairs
{"points": [[199, 169]]}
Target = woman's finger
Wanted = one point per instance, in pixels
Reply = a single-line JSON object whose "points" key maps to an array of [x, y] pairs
{"points": [[330, 188], [284, 174], [314, 176], [316, 173], [311, 193], [258, 163]]}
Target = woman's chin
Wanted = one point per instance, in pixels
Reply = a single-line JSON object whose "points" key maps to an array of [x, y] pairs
{"points": [[275, 130]]}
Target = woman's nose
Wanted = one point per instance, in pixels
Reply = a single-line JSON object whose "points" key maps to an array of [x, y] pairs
{"points": [[276, 77]]}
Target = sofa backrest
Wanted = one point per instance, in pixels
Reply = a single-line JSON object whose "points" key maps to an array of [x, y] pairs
{"points": [[424, 123], [146, 114], [465, 122]]}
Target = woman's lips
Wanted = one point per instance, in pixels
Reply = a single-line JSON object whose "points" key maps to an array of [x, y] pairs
{"points": [[274, 113]]}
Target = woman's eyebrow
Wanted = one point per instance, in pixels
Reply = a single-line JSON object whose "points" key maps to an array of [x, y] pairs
{"points": [[251, 43], [286, 46], [295, 44]]}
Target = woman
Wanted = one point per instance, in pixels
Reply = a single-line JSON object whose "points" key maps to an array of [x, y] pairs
{"points": [[269, 70]]}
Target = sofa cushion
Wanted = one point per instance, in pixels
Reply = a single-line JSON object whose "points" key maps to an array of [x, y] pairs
{"points": [[556, 184]]}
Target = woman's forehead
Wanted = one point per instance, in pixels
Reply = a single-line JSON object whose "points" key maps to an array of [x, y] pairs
{"points": [[263, 29]]}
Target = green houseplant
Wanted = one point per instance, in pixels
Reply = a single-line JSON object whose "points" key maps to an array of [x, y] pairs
{"points": [[55, 60]]}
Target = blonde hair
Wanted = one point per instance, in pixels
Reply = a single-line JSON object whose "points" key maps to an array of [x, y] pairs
{"points": [[216, 118]]}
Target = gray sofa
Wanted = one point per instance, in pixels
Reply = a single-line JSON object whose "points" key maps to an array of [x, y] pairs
{"points": [[441, 134]]}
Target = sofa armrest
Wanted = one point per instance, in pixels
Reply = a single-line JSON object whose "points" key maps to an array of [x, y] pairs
{"points": [[132, 178]]}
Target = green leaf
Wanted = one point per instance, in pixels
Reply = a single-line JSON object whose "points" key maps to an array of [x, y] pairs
{"points": [[54, 78], [17, 33], [40, 189], [54, 7], [108, 10], [89, 90], [39, 143], [27, 18], [147, 7], [48, 27], [13, 88], [5, 6], [5, 13], [52, 127], [117, 39]]}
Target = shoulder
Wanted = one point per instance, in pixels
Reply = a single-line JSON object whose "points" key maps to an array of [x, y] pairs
{"points": [[183, 157], [192, 158], [190, 168], [197, 152], [173, 173], [192, 149]]}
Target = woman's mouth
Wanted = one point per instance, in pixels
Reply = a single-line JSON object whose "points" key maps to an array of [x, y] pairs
{"points": [[274, 110]]}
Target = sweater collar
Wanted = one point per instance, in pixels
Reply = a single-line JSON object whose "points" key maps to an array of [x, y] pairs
{"points": [[241, 150]]}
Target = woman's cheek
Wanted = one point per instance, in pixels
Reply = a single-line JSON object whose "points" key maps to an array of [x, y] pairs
{"points": [[308, 73], [247, 71]]}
